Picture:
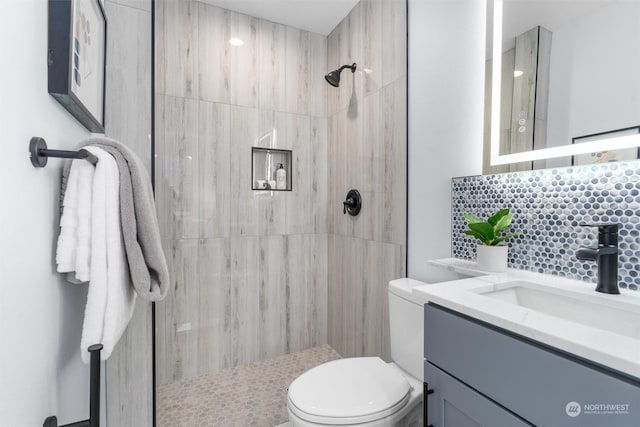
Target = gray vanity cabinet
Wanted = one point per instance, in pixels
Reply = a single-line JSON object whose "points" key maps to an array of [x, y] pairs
{"points": [[454, 404], [485, 376]]}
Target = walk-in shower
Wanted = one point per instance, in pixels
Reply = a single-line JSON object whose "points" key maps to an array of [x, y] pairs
{"points": [[268, 284]]}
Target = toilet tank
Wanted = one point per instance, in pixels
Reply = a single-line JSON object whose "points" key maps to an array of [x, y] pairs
{"points": [[406, 314]]}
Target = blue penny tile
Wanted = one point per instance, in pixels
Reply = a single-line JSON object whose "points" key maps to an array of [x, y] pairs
{"points": [[549, 206]]}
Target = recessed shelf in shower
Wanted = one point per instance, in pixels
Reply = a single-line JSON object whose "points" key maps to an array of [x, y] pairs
{"points": [[265, 163]]}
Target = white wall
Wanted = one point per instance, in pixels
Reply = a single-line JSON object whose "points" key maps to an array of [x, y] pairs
{"points": [[40, 315], [446, 89]]}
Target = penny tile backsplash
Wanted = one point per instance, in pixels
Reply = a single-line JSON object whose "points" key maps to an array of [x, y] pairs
{"points": [[549, 207]]}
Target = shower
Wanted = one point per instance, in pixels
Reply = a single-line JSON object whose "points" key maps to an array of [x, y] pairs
{"points": [[255, 279], [333, 78]]}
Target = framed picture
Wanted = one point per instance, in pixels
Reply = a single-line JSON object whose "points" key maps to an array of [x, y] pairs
{"points": [[621, 155], [77, 57]]}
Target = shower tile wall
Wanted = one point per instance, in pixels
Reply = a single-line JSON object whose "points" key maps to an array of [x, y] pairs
{"points": [[367, 151], [128, 372], [248, 268]]}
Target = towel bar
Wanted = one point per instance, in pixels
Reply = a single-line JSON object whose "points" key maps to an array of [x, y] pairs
{"points": [[40, 153], [94, 396]]}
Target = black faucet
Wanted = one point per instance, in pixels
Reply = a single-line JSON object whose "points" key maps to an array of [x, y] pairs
{"points": [[607, 256]]}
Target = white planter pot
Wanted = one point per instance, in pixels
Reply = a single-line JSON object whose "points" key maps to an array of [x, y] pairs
{"points": [[492, 258]]}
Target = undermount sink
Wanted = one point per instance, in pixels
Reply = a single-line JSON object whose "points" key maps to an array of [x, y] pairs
{"points": [[596, 310], [559, 312]]}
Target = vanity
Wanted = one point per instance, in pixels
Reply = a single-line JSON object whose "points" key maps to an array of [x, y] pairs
{"points": [[526, 349]]}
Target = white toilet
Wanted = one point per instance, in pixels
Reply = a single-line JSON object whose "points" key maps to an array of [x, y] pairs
{"points": [[366, 391]]}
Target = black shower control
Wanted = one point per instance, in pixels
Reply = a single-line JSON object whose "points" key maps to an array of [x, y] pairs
{"points": [[353, 203]]}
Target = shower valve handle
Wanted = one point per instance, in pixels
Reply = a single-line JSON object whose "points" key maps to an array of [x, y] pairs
{"points": [[349, 203], [353, 203]]}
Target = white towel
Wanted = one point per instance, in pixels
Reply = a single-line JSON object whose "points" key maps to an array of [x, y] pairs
{"points": [[73, 252], [111, 298], [83, 241]]}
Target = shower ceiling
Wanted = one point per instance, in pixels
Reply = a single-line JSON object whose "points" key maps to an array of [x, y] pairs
{"points": [[317, 16]]}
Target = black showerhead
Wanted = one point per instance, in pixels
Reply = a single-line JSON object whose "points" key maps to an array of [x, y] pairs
{"points": [[333, 78]]}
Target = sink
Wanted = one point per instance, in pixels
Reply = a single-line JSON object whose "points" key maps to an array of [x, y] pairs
{"points": [[562, 313], [597, 311]]}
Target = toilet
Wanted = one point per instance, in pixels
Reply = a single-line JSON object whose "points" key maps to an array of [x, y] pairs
{"points": [[367, 391]]}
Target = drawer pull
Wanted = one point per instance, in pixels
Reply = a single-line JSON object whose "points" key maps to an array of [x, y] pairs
{"points": [[425, 404]]}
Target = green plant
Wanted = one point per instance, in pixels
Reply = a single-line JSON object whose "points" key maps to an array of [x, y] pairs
{"points": [[488, 232]]}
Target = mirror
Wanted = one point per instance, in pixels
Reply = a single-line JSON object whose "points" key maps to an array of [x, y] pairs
{"points": [[566, 77]]}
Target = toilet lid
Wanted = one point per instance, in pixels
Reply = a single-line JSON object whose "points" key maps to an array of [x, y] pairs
{"points": [[352, 388]]}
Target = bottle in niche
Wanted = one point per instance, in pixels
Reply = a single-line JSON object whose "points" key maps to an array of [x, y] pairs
{"points": [[281, 178]]}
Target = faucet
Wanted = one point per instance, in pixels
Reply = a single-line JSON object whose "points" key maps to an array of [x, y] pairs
{"points": [[606, 254]]}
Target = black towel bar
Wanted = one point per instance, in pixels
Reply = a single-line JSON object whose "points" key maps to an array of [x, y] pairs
{"points": [[94, 396], [40, 153]]}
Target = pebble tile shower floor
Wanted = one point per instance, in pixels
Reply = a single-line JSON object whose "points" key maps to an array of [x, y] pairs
{"points": [[249, 395]]}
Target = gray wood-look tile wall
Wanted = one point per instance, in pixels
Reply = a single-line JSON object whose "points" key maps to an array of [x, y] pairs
{"points": [[128, 372], [367, 151], [248, 268]]}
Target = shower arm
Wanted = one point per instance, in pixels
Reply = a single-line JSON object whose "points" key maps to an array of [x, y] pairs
{"points": [[352, 67]]}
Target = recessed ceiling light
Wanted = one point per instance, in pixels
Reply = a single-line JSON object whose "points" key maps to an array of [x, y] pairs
{"points": [[517, 73], [234, 41]]}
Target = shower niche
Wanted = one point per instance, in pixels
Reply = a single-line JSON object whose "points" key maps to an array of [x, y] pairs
{"points": [[271, 169]]}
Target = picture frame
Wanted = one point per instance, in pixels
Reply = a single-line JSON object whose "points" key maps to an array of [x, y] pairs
{"points": [[621, 155], [77, 56]]}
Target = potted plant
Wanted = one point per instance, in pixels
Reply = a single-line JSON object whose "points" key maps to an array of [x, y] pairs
{"points": [[491, 252]]}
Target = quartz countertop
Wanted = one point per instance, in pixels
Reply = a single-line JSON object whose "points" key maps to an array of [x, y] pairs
{"points": [[607, 346]]}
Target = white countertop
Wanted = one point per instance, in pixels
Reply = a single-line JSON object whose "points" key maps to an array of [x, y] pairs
{"points": [[605, 347]]}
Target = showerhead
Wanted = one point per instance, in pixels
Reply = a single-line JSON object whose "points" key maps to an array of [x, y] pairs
{"points": [[333, 78]]}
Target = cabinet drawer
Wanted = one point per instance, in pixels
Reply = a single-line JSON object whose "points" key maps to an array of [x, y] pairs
{"points": [[529, 380], [453, 404]]}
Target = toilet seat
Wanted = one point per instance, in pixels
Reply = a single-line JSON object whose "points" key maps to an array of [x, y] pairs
{"points": [[349, 391]]}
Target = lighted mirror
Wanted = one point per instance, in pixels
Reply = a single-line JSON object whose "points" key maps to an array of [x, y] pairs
{"points": [[562, 83]]}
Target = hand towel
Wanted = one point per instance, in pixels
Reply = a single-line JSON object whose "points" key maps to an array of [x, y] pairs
{"points": [[73, 252], [147, 263], [111, 299]]}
